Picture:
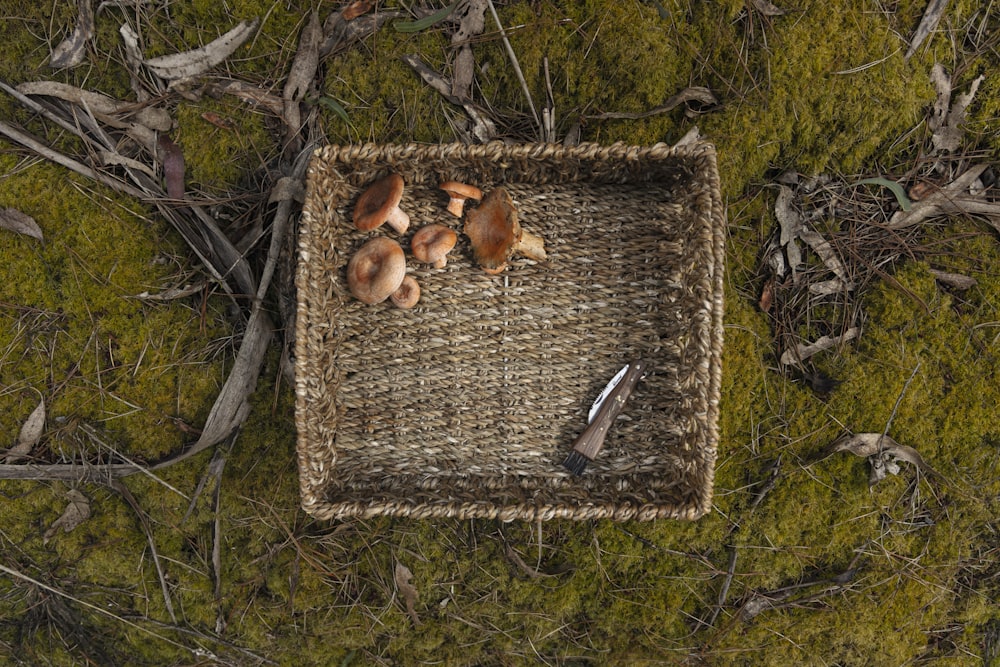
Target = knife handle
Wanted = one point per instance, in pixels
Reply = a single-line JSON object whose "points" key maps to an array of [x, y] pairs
{"points": [[589, 442]]}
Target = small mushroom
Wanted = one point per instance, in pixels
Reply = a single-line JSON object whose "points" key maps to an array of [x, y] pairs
{"points": [[432, 243], [496, 234], [380, 203], [376, 270], [408, 293], [459, 192]]}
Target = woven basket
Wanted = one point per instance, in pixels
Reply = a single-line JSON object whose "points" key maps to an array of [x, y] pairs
{"points": [[466, 405]]}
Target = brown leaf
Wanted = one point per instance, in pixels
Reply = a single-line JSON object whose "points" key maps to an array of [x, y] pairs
{"points": [[76, 512], [31, 433], [407, 590], [356, 9], [20, 223], [189, 64], [767, 296], [219, 121], [71, 51], [173, 167], [955, 280]]}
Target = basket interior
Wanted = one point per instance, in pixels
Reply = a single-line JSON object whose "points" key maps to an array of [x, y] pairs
{"points": [[473, 398]]}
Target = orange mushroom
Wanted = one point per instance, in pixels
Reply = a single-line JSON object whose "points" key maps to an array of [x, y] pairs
{"points": [[459, 192], [380, 203], [408, 293], [376, 270], [432, 243], [496, 234]]}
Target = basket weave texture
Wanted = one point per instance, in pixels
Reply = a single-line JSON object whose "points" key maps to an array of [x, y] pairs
{"points": [[466, 405]]}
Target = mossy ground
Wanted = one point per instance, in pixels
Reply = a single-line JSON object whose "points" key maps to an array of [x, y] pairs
{"points": [[824, 88]]}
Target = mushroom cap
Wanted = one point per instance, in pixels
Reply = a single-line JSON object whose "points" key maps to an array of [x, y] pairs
{"points": [[376, 270], [462, 190], [377, 202], [408, 293], [432, 243], [493, 229]]}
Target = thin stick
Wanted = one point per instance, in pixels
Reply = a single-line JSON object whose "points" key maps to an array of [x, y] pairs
{"points": [[899, 399], [56, 591], [130, 499], [517, 67]]}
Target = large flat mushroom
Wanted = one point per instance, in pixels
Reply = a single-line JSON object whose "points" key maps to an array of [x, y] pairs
{"points": [[496, 234], [376, 270], [380, 203]]}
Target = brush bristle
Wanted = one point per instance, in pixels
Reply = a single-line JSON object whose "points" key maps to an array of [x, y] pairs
{"points": [[576, 462]]}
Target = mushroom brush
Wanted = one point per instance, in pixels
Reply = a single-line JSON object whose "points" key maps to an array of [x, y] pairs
{"points": [[606, 408]]}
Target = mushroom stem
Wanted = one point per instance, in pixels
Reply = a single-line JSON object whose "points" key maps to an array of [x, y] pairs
{"points": [[398, 220], [531, 245]]}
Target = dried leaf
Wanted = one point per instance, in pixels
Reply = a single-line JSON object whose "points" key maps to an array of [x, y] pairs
{"points": [[766, 296], [956, 280], [767, 9], [219, 121], [802, 351], [198, 61], [100, 104], [932, 16], [882, 452], [117, 159], [303, 69], [76, 512], [172, 293], [287, 188], [790, 223], [232, 405], [472, 22], [248, 93], [20, 223], [71, 51], [133, 58], [690, 137], [356, 9], [407, 590], [948, 137], [31, 433], [828, 287], [173, 167], [825, 251], [942, 102], [300, 80], [339, 33]]}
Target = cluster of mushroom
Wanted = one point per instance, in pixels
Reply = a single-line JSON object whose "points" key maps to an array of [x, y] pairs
{"points": [[378, 270]]}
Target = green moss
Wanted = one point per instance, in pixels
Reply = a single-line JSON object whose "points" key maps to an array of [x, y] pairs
{"points": [[824, 88]]}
